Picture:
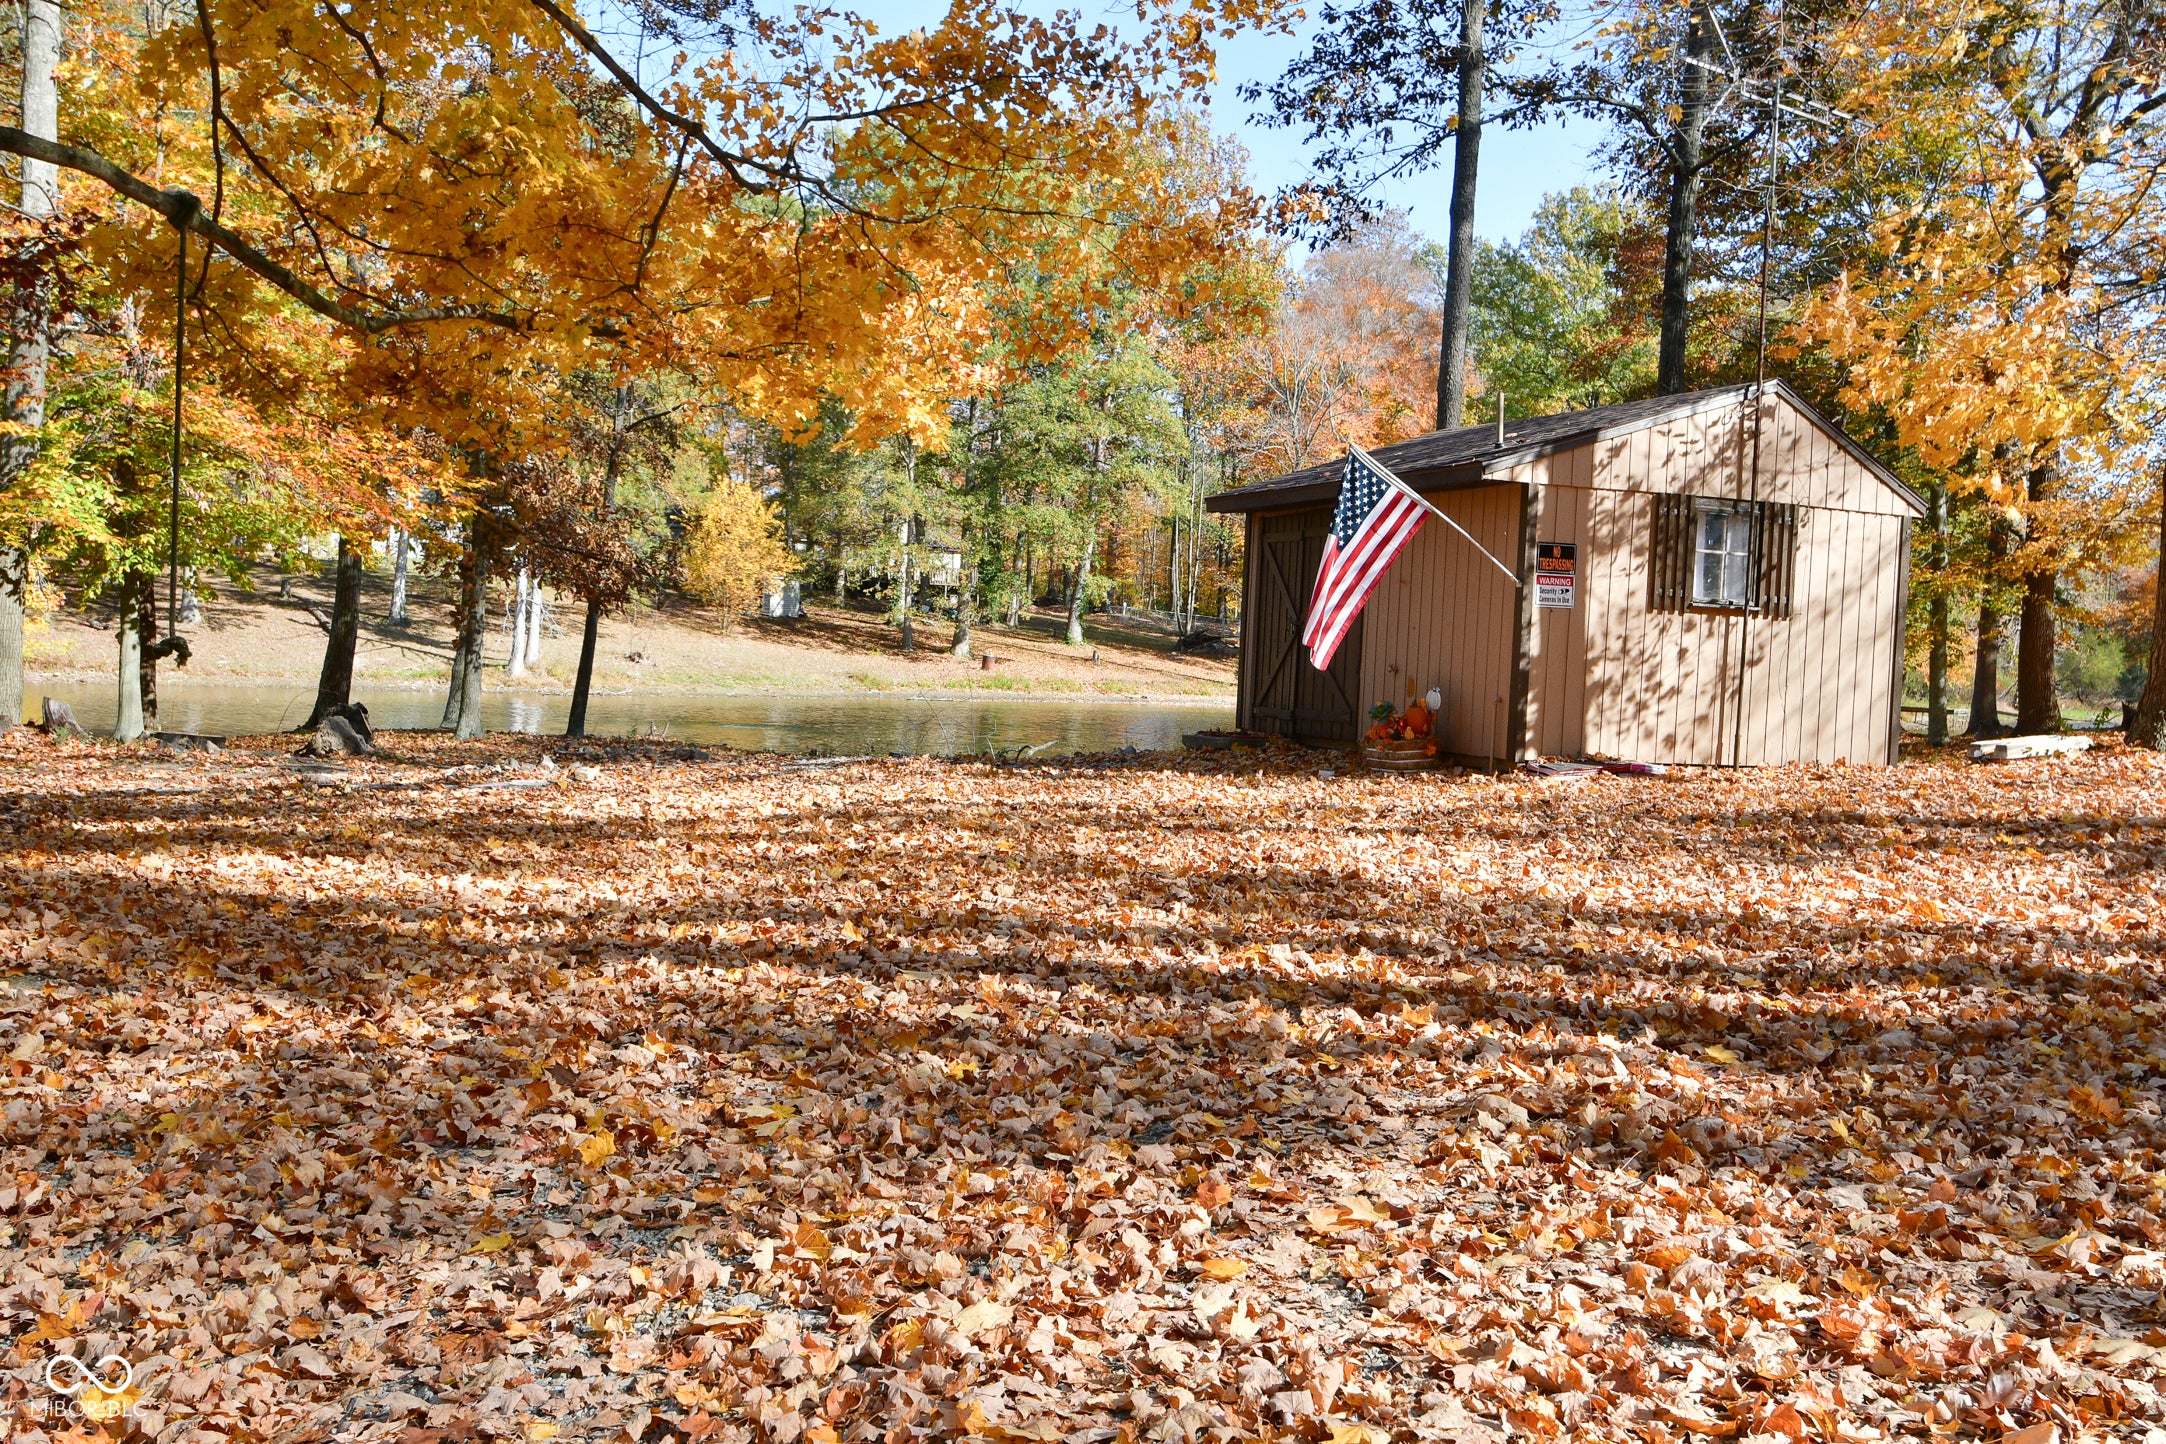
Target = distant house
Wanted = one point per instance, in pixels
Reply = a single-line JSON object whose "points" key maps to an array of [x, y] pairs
{"points": [[942, 557], [1701, 589]]}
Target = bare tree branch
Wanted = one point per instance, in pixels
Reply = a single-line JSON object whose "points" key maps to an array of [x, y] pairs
{"points": [[683, 124]]}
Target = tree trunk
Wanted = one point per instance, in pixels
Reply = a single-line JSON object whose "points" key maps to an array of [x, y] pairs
{"points": [[2147, 728], [397, 615], [462, 705], [128, 711], [583, 682], [454, 703], [1167, 536], [961, 649], [2038, 702], [1985, 692], [468, 722], [1180, 570], [965, 604], [2038, 699], [1019, 599], [583, 678], [30, 342], [1173, 573], [146, 630], [14, 592], [1685, 167], [334, 685], [534, 615], [909, 638], [515, 666], [1075, 591], [1936, 664], [1985, 720], [1451, 374], [1195, 556]]}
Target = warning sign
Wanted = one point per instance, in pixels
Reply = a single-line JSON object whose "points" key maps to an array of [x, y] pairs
{"points": [[1556, 573]]}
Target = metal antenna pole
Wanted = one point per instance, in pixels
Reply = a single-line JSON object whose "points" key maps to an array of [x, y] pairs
{"points": [[1738, 84], [1755, 551], [1774, 176], [180, 355]]}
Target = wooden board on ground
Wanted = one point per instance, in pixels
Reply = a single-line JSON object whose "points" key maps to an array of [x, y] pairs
{"points": [[203, 741], [1221, 740], [2009, 749]]}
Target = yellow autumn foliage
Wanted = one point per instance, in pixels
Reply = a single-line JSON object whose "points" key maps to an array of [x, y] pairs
{"points": [[808, 209], [736, 549]]}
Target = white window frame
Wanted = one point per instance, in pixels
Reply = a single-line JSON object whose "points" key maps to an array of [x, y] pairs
{"points": [[1733, 591]]}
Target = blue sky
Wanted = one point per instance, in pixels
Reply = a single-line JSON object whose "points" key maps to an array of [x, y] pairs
{"points": [[1518, 167]]}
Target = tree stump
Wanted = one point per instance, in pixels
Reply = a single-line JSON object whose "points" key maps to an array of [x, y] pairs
{"points": [[344, 732], [60, 719]]}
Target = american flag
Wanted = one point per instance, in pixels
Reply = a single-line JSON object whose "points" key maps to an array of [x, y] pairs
{"points": [[1378, 515]]}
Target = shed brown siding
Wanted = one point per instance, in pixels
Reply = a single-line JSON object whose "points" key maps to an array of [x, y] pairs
{"points": [[1614, 676], [1443, 618], [1244, 665]]}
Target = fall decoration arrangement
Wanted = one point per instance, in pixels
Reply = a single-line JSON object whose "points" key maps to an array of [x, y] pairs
{"points": [[1401, 741]]}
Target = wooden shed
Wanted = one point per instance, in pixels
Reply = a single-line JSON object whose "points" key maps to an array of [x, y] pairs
{"points": [[1708, 579]]}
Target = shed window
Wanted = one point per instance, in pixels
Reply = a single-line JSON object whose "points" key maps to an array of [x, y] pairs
{"points": [[1722, 557], [1722, 552]]}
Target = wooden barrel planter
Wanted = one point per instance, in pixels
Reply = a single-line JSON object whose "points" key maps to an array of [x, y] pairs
{"points": [[1409, 756]]}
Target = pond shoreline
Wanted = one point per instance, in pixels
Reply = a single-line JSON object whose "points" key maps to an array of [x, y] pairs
{"points": [[952, 692], [916, 721], [258, 639]]}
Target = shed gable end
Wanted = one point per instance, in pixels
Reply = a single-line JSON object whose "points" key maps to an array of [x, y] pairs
{"points": [[1802, 460]]}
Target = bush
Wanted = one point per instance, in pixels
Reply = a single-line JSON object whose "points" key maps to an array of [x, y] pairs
{"points": [[736, 550], [2091, 667]]}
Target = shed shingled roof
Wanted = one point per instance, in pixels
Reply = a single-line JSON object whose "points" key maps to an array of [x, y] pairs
{"points": [[1465, 456]]}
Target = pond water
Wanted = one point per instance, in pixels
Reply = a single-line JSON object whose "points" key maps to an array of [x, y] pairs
{"points": [[846, 725]]}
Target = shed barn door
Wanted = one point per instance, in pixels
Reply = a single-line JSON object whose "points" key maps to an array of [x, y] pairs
{"points": [[1288, 696]]}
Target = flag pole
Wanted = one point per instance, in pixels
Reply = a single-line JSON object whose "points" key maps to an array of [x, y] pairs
{"points": [[1509, 574]]}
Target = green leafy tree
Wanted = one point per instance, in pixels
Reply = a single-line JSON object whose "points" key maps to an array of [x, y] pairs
{"points": [[1556, 324], [825, 489], [1091, 435], [106, 453]]}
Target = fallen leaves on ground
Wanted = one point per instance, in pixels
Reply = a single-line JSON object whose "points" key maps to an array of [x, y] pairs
{"points": [[1157, 1098]]}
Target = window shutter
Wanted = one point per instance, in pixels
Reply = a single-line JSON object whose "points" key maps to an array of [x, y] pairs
{"points": [[1775, 569], [1672, 554]]}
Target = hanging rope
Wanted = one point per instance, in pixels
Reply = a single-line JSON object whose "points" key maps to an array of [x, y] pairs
{"points": [[174, 644], [180, 357]]}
